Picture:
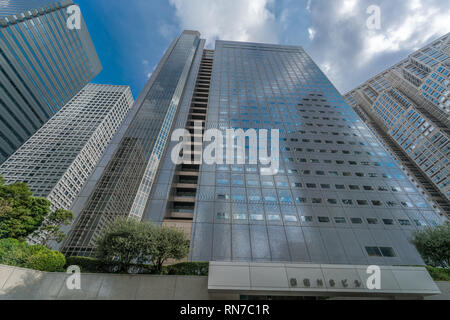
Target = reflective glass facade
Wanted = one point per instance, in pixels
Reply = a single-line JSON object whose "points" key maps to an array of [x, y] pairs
{"points": [[126, 182], [14, 7], [43, 65], [338, 197]]}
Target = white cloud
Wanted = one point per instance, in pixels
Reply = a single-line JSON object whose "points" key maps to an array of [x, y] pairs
{"points": [[238, 20], [312, 33], [348, 7], [341, 40], [413, 31]]}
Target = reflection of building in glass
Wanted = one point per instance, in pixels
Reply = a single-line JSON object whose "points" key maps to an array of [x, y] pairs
{"points": [[43, 65], [408, 108], [338, 198], [57, 160]]}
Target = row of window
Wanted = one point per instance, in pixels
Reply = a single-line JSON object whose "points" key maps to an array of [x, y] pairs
{"points": [[286, 198], [322, 220]]}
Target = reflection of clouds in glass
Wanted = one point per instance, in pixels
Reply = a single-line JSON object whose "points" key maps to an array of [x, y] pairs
{"points": [[4, 3]]}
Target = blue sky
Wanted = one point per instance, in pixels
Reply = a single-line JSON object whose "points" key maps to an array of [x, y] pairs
{"points": [[131, 35]]}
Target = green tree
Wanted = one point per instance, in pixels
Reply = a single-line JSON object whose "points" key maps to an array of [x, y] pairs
{"points": [[20, 254], [51, 227], [433, 243], [20, 213], [123, 243], [167, 243], [127, 242]]}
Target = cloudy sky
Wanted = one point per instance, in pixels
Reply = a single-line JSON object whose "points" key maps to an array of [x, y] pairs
{"points": [[342, 36]]}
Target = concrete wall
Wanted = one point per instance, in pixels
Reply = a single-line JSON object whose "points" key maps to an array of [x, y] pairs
{"points": [[445, 289], [23, 284]]}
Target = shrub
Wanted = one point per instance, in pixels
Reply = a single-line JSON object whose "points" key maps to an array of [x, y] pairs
{"points": [[13, 252], [46, 260], [21, 254], [188, 269], [439, 274], [434, 245]]}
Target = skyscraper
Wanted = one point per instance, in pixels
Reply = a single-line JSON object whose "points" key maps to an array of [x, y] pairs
{"points": [[10, 8], [57, 160], [408, 108], [43, 64], [337, 197]]}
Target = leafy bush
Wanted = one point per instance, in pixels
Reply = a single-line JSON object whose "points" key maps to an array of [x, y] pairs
{"points": [[46, 260], [188, 269], [21, 254], [439, 274], [127, 243], [86, 264], [433, 243], [13, 252]]}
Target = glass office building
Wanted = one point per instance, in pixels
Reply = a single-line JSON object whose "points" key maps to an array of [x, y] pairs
{"points": [[136, 157], [408, 107], [14, 7], [337, 198], [43, 64]]}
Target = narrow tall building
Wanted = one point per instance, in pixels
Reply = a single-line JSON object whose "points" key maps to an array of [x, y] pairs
{"points": [[43, 64], [408, 108], [57, 161], [336, 197]]}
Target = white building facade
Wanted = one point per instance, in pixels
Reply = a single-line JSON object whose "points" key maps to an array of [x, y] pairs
{"points": [[58, 159]]}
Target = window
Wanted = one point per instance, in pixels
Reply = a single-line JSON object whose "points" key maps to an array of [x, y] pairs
{"points": [[332, 201], [301, 200], [324, 219], [306, 219], [404, 222], [257, 217], [273, 217], [372, 221], [290, 218], [240, 216], [222, 216], [223, 197], [387, 252], [340, 220], [373, 252], [356, 220], [388, 222]]}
